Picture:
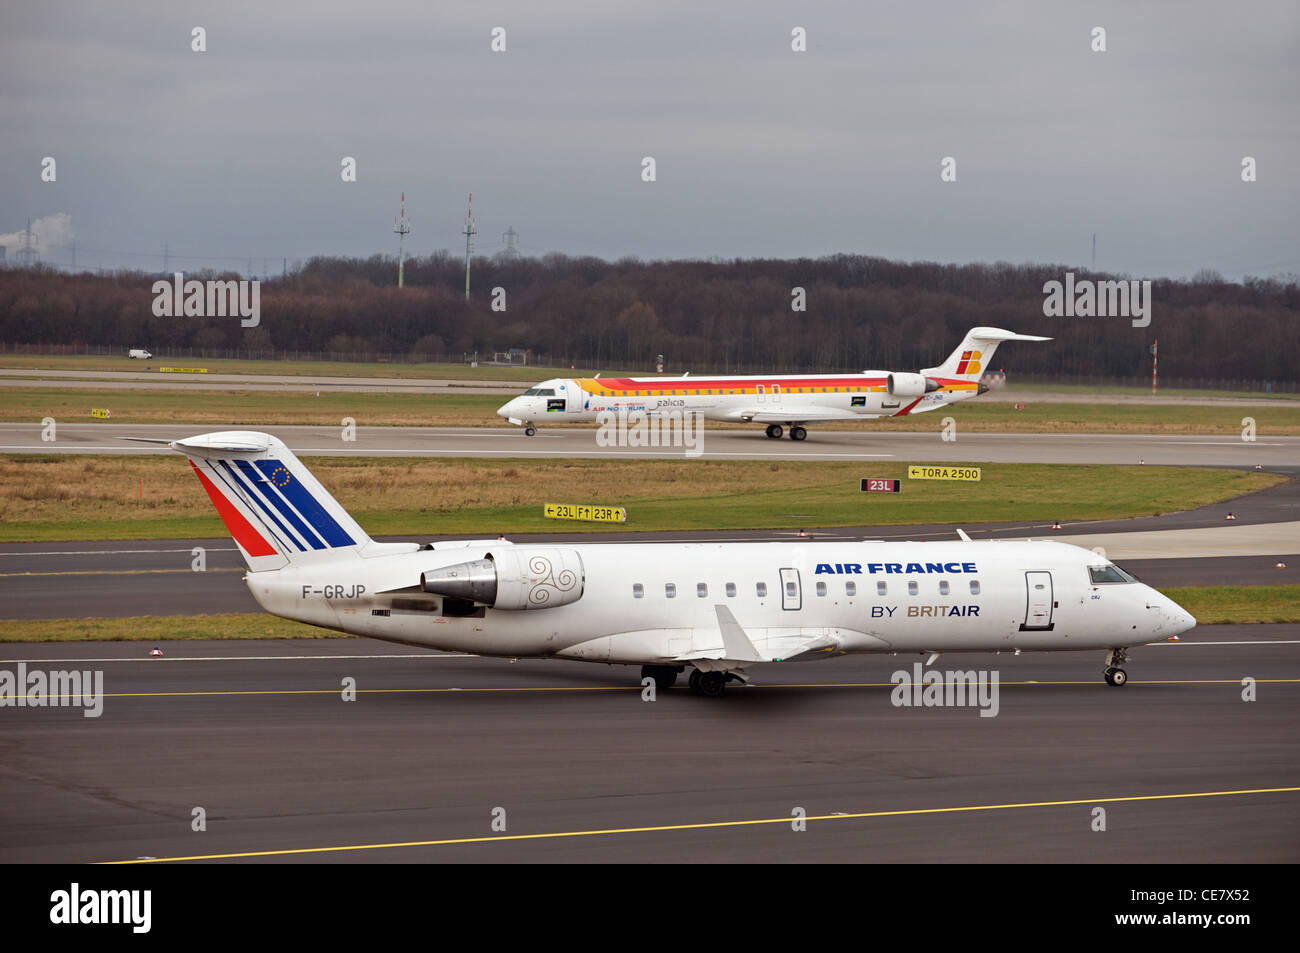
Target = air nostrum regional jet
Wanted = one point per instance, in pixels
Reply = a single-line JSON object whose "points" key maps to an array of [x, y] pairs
{"points": [[782, 402], [719, 609]]}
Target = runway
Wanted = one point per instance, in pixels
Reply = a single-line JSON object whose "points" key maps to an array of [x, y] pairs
{"points": [[287, 770], [1279, 454]]}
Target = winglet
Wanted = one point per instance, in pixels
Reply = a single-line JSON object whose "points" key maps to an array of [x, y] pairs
{"points": [[736, 643]]}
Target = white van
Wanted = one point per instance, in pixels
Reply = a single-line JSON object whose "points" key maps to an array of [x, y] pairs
{"points": [[137, 353]]}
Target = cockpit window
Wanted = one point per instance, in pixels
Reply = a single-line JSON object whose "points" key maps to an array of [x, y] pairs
{"points": [[1108, 573], [544, 391], [531, 392]]}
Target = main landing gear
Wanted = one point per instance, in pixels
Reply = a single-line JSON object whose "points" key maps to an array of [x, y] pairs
{"points": [[665, 676], [708, 684], [775, 431], [1114, 674]]}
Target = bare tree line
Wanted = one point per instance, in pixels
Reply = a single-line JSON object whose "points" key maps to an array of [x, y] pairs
{"points": [[860, 312]]}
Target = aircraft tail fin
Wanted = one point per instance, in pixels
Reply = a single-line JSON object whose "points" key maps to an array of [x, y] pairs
{"points": [[276, 511], [975, 353]]}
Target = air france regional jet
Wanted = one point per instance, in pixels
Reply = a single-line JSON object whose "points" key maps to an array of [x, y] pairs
{"points": [[720, 609], [781, 402]]}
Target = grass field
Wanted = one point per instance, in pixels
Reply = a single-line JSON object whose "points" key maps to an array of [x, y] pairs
{"points": [[268, 408], [1210, 606], [149, 628], [98, 497]]}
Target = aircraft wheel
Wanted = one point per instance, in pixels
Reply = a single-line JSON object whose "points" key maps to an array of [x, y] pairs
{"points": [[711, 684], [1116, 676], [693, 683], [774, 431], [530, 431], [798, 433], [665, 676]]}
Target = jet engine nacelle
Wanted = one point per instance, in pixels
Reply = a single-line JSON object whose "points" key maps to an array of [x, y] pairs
{"points": [[910, 385], [513, 578]]}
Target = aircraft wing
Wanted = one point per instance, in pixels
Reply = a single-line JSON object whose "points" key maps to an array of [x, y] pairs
{"points": [[738, 650]]}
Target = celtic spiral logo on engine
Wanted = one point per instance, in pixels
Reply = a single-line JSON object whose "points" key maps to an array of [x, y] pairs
{"points": [[548, 581]]}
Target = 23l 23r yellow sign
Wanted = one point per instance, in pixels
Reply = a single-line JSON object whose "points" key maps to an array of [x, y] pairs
{"points": [[586, 512]]}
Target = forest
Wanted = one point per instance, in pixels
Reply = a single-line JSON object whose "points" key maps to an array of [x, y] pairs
{"points": [[858, 312]]}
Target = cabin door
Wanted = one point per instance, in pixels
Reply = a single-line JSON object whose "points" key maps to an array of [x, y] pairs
{"points": [[1038, 602]]}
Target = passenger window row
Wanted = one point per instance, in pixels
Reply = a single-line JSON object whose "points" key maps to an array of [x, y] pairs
{"points": [[760, 589]]}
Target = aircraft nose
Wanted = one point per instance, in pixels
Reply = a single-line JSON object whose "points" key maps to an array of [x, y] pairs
{"points": [[1181, 619], [507, 409], [1177, 619]]}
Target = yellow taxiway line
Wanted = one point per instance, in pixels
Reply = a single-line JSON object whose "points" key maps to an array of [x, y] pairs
{"points": [[631, 688], [551, 835]]}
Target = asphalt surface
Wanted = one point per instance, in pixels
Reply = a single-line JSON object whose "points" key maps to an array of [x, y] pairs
{"points": [[279, 762], [1281, 454]]}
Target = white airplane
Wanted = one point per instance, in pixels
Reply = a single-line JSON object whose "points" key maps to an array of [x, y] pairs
{"points": [[782, 401], [720, 609]]}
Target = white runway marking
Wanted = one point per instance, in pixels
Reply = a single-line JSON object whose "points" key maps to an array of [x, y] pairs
{"points": [[1259, 642], [596, 453], [413, 452]]}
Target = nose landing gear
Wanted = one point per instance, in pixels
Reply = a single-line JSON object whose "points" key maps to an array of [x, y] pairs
{"points": [[1113, 674], [530, 431]]}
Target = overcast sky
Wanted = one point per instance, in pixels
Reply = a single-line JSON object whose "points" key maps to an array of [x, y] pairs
{"points": [[759, 150]]}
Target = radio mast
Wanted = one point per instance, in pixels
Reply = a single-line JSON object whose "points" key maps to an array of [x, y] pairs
{"points": [[469, 231], [401, 225]]}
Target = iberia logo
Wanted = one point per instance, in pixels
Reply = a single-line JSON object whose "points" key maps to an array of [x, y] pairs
{"points": [[280, 477], [970, 363]]}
